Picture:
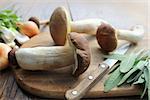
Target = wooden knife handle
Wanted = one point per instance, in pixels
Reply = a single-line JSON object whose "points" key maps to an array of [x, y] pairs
{"points": [[87, 83]]}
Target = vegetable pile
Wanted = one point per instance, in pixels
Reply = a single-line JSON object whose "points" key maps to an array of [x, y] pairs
{"points": [[9, 31], [134, 68]]}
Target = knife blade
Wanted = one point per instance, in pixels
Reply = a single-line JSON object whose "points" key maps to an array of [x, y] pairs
{"points": [[94, 76]]}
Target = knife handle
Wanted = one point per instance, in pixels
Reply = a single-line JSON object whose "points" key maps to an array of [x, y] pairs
{"points": [[87, 83]]}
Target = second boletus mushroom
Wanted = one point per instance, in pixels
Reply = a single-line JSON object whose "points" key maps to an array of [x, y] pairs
{"points": [[107, 36]]}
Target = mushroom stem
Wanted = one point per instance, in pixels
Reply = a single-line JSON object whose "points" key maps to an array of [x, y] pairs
{"points": [[88, 26], [133, 35], [43, 22], [45, 58]]}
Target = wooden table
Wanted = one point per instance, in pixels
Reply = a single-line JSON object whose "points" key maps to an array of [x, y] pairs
{"points": [[120, 13]]}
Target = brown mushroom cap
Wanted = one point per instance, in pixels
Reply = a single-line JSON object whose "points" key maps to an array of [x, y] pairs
{"points": [[82, 51], [106, 37], [35, 20], [59, 25], [12, 58]]}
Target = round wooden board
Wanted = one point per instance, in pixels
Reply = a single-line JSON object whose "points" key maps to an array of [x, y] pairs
{"points": [[54, 84]]}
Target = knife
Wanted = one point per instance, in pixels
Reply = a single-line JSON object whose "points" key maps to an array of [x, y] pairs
{"points": [[93, 77]]}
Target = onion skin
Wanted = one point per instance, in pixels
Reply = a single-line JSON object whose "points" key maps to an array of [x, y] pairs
{"points": [[28, 28], [4, 50]]}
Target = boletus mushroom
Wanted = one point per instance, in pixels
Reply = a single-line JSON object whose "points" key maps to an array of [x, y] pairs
{"points": [[75, 52], [60, 24], [107, 36]]}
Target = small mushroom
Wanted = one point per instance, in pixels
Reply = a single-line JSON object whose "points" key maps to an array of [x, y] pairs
{"points": [[107, 36], [38, 22]]}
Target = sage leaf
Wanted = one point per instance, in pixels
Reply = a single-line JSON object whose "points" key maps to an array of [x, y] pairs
{"points": [[127, 63], [113, 80], [144, 55], [140, 80], [142, 76], [139, 66], [146, 75], [148, 67], [136, 77]]}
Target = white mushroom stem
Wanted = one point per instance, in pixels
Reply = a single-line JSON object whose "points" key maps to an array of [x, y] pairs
{"points": [[43, 22], [134, 35], [45, 58], [88, 26]]}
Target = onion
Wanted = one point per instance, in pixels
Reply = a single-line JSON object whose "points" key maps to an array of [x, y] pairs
{"points": [[4, 50], [28, 28]]}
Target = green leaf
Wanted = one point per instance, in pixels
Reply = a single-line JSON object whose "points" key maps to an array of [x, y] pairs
{"points": [[148, 67], [127, 63], [136, 77], [3, 16], [140, 80], [144, 55], [139, 66], [132, 76], [146, 75], [8, 19], [113, 80], [7, 11]]}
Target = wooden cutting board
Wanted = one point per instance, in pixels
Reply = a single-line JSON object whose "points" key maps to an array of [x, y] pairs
{"points": [[53, 84]]}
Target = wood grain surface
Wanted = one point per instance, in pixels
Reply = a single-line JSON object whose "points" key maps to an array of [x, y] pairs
{"points": [[121, 13]]}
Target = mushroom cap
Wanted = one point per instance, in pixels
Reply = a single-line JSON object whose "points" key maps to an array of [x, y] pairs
{"points": [[106, 37], [12, 58], [83, 55], [35, 20], [59, 25]]}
